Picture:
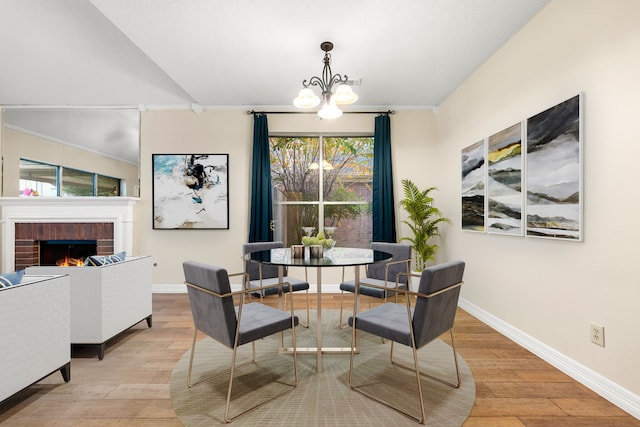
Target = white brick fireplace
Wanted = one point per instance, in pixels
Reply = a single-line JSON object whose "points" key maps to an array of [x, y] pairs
{"points": [[47, 210]]}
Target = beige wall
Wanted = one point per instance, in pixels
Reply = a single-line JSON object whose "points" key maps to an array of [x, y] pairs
{"points": [[552, 290], [548, 290], [232, 132], [1, 139], [18, 144]]}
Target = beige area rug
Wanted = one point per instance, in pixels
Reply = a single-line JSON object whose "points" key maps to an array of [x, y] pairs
{"points": [[320, 399]]}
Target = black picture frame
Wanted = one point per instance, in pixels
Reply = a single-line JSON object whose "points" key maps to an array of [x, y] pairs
{"points": [[190, 191]]}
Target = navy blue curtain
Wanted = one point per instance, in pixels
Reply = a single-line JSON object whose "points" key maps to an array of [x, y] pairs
{"points": [[261, 202], [383, 209]]}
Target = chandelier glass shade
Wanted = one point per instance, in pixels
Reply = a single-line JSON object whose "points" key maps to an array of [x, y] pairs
{"points": [[306, 99], [330, 100], [329, 110]]}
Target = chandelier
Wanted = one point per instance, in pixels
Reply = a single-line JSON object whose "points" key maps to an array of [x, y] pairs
{"points": [[343, 94]]}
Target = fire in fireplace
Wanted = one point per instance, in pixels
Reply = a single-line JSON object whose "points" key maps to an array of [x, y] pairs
{"points": [[66, 252]]}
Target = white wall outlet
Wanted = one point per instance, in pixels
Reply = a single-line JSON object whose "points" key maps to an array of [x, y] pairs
{"points": [[597, 334]]}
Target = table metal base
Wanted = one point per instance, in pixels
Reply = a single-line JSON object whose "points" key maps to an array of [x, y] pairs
{"points": [[319, 349]]}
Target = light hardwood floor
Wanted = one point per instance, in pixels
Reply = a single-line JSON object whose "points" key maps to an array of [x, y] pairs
{"points": [[131, 385]]}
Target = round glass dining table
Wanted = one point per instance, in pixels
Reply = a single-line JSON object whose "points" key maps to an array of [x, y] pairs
{"points": [[336, 257]]}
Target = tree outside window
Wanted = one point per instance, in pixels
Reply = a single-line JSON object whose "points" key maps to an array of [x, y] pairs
{"points": [[320, 182]]}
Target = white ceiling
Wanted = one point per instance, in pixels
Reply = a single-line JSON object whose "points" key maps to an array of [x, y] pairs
{"points": [[245, 53]]}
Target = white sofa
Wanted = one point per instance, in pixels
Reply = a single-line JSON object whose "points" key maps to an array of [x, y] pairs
{"points": [[106, 300], [34, 332]]}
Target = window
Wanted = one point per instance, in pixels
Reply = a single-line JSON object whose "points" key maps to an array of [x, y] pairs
{"points": [[108, 186], [322, 180], [76, 183], [38, 179], [42, 179]]}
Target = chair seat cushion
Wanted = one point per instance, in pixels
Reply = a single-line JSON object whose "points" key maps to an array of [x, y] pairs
{"points": [[388, 321], [296, 285], [259, 320], [350, 286]]}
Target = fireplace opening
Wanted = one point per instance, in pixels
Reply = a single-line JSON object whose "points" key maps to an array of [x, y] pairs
{"points": [[66, 252]]}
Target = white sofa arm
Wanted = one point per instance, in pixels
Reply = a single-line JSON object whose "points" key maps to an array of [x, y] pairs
{"points": [[34, 332]]}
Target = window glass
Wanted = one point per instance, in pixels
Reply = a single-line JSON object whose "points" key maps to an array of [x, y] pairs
{"points": [[322, 180], [38, 179], [348, 173], [108, 186], [76, 183]]}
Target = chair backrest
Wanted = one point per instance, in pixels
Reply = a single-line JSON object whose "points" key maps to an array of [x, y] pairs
{"points": [[215, 316], [399, 252], [434, 316], [253, 268]]}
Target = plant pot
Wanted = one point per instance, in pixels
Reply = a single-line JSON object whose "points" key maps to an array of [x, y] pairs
{"points": [[415, 280]]}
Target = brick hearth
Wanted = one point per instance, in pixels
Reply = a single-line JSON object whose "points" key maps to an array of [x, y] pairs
{"points": [[28, 237]]}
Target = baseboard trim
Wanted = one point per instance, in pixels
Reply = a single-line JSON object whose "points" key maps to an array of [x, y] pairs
{"points": [[614, 393], [169, 289]]}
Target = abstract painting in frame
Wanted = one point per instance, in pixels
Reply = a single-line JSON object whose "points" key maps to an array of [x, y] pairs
{"points": [[554, 172], [504, 182], [190, 191], [473, 187]]}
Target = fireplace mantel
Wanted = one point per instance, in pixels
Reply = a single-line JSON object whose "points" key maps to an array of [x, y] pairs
{"points": [[116, 210]]}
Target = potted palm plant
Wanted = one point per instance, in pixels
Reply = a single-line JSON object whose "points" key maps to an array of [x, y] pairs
{"points": [[424, 219]]}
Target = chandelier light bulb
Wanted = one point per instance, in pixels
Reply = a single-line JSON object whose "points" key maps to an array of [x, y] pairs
{"points": [[344, 95], [306, 99], [329, 111]]}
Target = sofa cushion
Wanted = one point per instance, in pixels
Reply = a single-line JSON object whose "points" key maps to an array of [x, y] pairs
{"points": [[10, 279], [97, 260]]}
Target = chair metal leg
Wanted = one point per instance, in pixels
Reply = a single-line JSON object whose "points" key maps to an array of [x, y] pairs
{"points": [[415, 369], [227, 418], [423, 419], [193, 347], [358, 389], [231, 373], [306, 325], [455, 358], [190, 370], [440, 380], [233, 368]]}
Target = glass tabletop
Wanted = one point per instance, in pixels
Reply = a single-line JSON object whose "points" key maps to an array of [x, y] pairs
{"points": [[336, 257]]}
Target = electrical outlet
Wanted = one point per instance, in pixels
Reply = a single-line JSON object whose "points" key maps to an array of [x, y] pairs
{"points": [[597, 334]]}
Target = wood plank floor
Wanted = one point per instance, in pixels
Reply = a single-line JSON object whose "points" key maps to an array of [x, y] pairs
{"points": [[131, 385]]}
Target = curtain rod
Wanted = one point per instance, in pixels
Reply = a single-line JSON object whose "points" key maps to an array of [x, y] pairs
{"points": [[315, 112]]}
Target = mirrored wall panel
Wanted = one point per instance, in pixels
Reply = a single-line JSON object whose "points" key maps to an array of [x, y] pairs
{"points": [[69, 152]]}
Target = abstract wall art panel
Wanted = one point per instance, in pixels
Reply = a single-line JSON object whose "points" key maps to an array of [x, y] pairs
{"points": [[473, 187], [190, 191], [554, 172], [504, 182]]}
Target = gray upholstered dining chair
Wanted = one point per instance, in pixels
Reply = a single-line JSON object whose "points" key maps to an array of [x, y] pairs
{"points": [[434, 314], [215, 314], [381, 274], [261, 275]]}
